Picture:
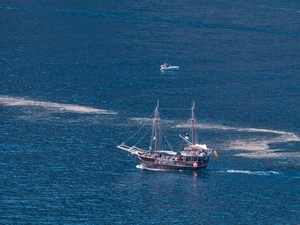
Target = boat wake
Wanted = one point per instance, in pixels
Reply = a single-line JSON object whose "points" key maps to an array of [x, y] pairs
{"points": [[153, 169], [289, 175], [279, 9], [51, 106], [140, 166], [260, 173]]}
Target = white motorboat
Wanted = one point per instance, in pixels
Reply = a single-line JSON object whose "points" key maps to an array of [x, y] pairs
{"points": [[167, 66]]}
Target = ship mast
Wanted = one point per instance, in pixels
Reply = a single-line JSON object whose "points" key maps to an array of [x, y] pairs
{"points": [[193, 124], [156, 127]]}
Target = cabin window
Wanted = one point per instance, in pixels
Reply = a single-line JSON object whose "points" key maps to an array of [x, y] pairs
{"points": [[190, 159]]}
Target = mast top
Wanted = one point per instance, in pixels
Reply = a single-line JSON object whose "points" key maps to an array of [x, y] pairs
{"points": [[193, 124]]}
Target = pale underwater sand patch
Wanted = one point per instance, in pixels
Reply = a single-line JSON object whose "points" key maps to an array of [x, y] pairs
{"points": [[259, 142], [52, 106], [272, 154], [257, 145], [150, 120], [142, 119], [262, 142]]}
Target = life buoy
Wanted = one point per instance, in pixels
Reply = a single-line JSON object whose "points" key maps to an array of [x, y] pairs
{"points": [[195, 165]]}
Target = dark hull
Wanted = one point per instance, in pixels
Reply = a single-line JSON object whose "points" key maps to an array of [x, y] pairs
{"points": [[176, 165]]}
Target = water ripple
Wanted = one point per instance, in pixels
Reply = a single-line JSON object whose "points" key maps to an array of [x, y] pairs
{"points": [[126, 16]]}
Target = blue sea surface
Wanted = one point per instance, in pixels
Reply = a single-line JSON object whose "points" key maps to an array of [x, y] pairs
{"points": [[77, 78]]}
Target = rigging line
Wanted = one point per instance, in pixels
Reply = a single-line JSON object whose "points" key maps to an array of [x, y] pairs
{"points": [[142, 137], [162, 130], [140, 128], [165, 137]]}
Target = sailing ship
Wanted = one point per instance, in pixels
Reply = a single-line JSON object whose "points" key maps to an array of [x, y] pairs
{"points": [[193, 156]]}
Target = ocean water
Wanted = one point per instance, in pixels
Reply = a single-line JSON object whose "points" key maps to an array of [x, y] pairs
{"points": [[78, 77]]}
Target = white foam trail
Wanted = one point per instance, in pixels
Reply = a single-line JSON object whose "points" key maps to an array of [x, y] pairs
{"points": [[152, 169], [276, 8], [260, 173], [13, 101]]}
